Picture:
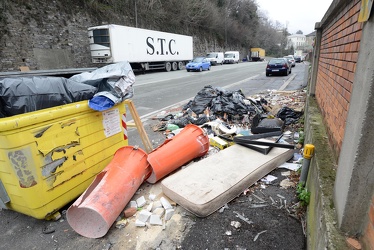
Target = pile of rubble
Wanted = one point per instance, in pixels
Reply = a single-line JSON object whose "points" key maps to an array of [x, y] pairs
{"points": [[223, 112]]}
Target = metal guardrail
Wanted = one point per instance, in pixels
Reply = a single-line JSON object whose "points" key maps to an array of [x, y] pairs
{"points": [[50, 72]]}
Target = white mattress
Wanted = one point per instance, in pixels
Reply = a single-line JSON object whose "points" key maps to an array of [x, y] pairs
{"points": [[207, 185]]}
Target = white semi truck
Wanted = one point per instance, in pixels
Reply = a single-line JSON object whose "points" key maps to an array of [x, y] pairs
{"points": [[143, 49]]}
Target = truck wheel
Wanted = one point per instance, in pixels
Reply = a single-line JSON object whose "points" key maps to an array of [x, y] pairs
{"points": [[180, 65], [174, 66], [167, 66]]}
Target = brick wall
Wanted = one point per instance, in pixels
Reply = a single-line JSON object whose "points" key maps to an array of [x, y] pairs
{"points": [[337, 63], [368, 238]]}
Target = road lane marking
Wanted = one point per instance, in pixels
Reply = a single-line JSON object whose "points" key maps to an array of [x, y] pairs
{"points": [[287, 82]]}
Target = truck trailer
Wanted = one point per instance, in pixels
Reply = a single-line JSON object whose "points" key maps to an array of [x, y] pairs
{"points": [[143, 49], [257, 54]]}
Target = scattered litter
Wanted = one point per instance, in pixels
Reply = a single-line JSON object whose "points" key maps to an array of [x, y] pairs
{"points": [[287, 173], [286, 183], [259, 234], [290, 166], [223, 208], [257, 205], [259, 198], [121, 224], [272, 200], [269, 178], [243, 218], [297, 157], [47, 230], [228, 233], [236, 224], [281, 196]]}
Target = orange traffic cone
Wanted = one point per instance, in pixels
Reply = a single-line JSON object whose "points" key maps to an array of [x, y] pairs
{"points": [[190, 143], [93, 213]]}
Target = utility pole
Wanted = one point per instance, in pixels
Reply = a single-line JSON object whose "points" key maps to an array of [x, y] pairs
{"points": [[136, 16]]}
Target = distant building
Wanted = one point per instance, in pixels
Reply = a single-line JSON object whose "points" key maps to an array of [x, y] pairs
{"points": [[297, 41], [310, 41]]}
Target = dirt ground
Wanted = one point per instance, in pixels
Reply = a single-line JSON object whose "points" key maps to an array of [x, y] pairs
{"points": [[265, 216]]}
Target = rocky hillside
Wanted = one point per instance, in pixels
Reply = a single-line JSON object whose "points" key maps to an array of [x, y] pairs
{"points": [[44, 34]]}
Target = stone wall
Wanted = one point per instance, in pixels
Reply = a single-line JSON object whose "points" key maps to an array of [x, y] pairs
{"points": [[33, 34]]}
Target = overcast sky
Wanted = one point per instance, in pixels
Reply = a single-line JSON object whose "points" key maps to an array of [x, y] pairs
{"points": [[296, 14]]}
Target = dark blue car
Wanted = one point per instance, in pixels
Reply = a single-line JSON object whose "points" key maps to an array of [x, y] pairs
{"points": [[198, 64], [278, 66]]}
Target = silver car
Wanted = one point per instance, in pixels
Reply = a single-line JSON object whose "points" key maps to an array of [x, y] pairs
{"points": [[291, 60]]}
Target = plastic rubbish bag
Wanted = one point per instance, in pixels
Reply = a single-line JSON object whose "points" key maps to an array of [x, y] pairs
{"points": [[264, 125], [26, 94], [114, 82], [289, 115]]}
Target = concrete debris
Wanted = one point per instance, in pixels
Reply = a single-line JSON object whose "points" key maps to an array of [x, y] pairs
{"points": [[143, 216], [133, 204], [165, 203], [228, 233], [156, 204], [169, 213], [155, 220], [236, 224], [139, 223], [159, 211], [152, 197], [150, 207], [141, 201]]}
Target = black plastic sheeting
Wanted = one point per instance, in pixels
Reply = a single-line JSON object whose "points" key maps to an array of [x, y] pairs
{"points": [[103, 88], [220, 101], [26, 94], [289, 115]]}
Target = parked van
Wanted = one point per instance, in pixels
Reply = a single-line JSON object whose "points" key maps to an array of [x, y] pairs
{"points": [[215, 58], [231, 57]]}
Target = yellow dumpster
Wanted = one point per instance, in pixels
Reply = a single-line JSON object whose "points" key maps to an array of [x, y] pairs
{"points": [[49, 157]]}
